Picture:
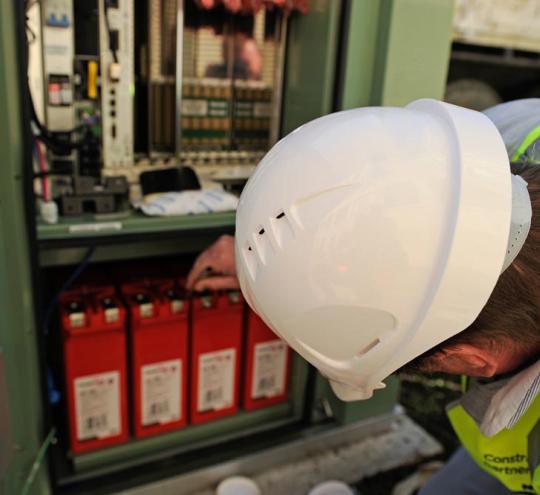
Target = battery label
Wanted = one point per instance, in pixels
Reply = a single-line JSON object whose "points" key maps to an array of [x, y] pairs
{"points": [[194, 108], [97, 405], [262, 110], [216, 380], [161, 387], [269, 369], [218, 108]]}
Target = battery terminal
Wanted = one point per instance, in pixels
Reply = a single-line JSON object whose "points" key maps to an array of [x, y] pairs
{"points": [[234, 297], [206, 301], [146, 307], [77, 317], [112, 312], [177, 305]]}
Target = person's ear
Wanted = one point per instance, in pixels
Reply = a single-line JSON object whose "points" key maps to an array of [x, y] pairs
{"points": [[472, 360]]}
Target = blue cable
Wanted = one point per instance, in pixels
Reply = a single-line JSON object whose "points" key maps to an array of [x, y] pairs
{"points": [[67, 284], [54, 393]]}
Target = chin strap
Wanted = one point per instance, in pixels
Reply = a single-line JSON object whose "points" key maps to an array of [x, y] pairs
{"points": [[520, 222]]}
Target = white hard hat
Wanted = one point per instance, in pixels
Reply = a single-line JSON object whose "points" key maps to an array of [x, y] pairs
{"points": [[366, 237]]}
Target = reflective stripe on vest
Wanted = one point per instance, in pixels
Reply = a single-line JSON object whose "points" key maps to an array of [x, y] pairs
{"points": [[529, 139], [511, 456]]}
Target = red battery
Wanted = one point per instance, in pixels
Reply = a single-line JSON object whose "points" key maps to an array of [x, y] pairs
{"points": [[268, 361], [216, 353], [159, 355], [94, 340]]}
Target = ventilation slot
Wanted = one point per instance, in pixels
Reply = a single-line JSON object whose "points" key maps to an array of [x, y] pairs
{"points": [[282, 228], [263, 244], [368, 348], [250, 260]]}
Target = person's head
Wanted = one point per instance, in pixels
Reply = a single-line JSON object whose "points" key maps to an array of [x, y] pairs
{"points": [[241, 51], [252, 58], [506, 334], [367, 237]]}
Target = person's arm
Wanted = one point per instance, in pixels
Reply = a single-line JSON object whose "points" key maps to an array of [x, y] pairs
{"points": [[215, 268]]}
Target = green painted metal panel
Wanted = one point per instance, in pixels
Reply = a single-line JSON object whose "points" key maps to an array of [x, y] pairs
{"points": [[328, 405], [310, 72], [121, 251], [359, 53], [131, 237], [17, 326], [416, 50], [134, 223], [396, 51]]}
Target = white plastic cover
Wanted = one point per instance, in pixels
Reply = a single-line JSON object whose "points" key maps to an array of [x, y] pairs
{"points": [[366, 237]]}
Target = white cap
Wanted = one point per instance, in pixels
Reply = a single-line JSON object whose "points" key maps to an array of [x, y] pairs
{"points": [[367, 237]]}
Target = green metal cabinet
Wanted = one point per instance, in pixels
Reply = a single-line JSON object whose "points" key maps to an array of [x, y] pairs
{"points": [[22, 420], [341, 55]]}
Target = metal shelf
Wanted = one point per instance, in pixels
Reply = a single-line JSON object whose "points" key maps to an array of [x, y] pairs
{"points": [[136, 452], [81, 229], [128, 237]]}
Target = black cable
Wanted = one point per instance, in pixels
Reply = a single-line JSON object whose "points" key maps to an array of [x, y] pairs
{"points": [[50, 138], [56, 173]]}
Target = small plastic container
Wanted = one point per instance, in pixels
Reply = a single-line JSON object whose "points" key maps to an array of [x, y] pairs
{"points": [[238, 485], [332, 488]]}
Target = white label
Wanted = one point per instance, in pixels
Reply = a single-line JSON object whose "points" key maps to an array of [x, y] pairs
{"points": [[194, 108], [95, 227], [261, 110], [97, 405], [67, 96], [161, 392], [216, 380], [270, 363]]}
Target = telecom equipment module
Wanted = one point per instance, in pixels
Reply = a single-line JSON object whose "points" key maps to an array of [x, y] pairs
{"points": [[122, 86]]}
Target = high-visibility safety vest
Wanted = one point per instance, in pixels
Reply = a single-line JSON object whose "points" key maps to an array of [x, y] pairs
{"points": [[530, 139], [512, 455], [518, 123]]}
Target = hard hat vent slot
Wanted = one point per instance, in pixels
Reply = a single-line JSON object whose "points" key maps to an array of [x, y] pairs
{"points": [[370, 346], [262, 244], [250, 260], [341, 332], [281, 228]]}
